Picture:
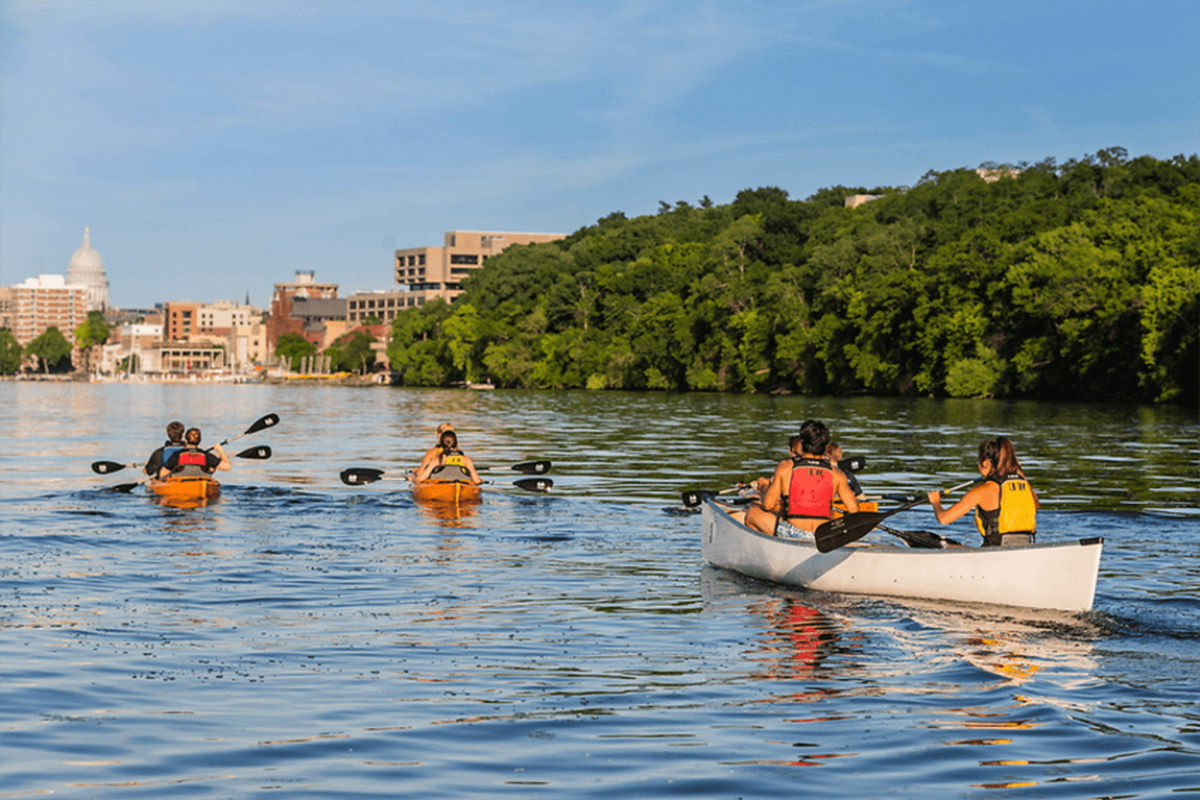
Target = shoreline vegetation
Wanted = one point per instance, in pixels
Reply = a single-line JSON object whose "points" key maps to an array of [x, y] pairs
{"points": [[1071, 282], [1078, 281]]}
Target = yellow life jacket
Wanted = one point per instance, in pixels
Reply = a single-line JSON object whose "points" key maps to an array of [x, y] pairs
{"points": [[1017, 512]]}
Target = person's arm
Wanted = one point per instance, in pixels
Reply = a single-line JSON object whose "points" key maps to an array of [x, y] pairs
{"points": [[968, 501], [224, 462], [168, 466], [469, 465], [154, 462], [769, 500], [844, 492]]}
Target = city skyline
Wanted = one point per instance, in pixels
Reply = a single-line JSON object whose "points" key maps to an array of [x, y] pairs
{"points": [[215, 150]]}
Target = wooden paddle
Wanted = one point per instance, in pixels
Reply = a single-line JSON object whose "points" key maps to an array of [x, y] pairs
{"points": [[843, 530], [360, 476]]}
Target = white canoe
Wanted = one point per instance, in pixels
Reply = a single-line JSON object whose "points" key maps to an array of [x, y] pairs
{"points": [[1059, 576]]}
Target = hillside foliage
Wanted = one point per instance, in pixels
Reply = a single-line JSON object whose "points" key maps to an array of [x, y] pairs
{"points": [[1075, 281]]}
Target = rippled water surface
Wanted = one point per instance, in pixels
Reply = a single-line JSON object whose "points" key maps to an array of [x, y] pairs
{"points": [[301, 638]]}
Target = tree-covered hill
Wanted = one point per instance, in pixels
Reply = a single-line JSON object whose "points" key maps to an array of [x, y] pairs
{"points": [[1076, 281]]}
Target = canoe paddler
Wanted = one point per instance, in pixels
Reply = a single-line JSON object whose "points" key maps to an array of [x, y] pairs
{"points": [[446, 461], [192, 462], [800, 494], [1005, 504]]}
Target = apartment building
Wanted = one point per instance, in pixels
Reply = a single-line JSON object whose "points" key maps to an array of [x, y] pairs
{"points": [[431, 272], [44, 302]]}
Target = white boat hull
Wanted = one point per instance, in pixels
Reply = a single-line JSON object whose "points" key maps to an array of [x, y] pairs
{"points": [[1059, 576]]}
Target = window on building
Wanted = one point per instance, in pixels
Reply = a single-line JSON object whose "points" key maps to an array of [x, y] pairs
{"points": [[464, 258], [421, 259]]}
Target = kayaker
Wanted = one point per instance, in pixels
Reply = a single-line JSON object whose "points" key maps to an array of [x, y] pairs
{"points": [[1005, 504], [799, 496], [447, 461], [432, 454], [192, 462], [173, 444]]}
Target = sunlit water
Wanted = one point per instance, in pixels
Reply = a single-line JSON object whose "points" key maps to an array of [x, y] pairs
{"points": [[301, 638]]}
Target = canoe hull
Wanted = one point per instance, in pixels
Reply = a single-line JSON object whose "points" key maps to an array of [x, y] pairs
{"points": [[1055, 576], [447, 492], [186, 489]]}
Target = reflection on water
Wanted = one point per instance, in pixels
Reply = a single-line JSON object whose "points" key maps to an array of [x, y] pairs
{"points": [[302, 638]]}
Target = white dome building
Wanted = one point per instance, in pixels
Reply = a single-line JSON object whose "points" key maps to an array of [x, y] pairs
{"points": [[87, 269]]}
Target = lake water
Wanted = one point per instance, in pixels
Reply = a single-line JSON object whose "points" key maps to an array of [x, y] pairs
{"points": [[300, 638]]}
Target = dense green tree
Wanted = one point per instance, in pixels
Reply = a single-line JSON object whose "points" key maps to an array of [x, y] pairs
{"points": [[11, 353], [1079, 280], [352, 352], [294, 348], [52, 349], [91, 333]]}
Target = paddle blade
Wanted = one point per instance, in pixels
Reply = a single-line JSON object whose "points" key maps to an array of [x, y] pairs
{"points": [[269, 421], [854, 463], [534, 484], [357, 476], [105, 467], [693, 497], [260, 453], [532, 467], [846, 529], [124, 488]]}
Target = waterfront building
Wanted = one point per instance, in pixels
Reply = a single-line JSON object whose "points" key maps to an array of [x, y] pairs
{"points": [[86, 268], [305, 288], [44, 302], [431, 272], [382, 304], [180, 320]]}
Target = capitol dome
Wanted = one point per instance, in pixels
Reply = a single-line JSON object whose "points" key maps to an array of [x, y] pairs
{"points": [[87, 269]]}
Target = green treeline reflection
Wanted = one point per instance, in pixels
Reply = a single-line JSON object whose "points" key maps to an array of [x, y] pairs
{"points": [[1078, 281]]}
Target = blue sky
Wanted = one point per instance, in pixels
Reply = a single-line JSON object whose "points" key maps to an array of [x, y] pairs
{"points": [[216, 147]]}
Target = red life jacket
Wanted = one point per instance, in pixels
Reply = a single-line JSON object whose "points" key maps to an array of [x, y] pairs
{"points": [[192, 457], [810, 491]]}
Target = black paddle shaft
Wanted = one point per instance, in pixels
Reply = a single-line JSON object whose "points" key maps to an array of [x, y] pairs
{"points": [[852, 527]]}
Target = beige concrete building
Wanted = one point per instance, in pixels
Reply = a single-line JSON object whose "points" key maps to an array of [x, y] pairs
{"points": [[382, 304], [431, 272], [44, 302]]}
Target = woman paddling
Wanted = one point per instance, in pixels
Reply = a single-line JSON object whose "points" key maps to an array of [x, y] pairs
{"points": [[447, 462], [1005, 504]]}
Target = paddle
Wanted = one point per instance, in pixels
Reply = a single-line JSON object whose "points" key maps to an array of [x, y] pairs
{"points": [[259, 453], [852, 527], [922, 539], [360, 476], [693, 497], [524, 467], [262, 423]]}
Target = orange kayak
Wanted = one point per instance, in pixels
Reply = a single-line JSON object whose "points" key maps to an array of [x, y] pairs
{"points": [[454, 492], [186, 489]]}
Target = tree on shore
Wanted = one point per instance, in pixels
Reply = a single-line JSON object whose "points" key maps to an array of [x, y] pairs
{"points": [[92, 333], [1078, 281], [294, 348], [52, 349], [11, 353]]}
